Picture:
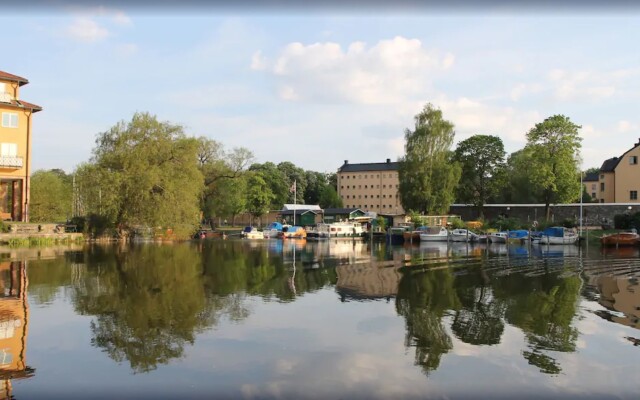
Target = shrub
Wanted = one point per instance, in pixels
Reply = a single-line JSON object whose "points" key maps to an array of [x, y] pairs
{"points": [[457, 223], [507, 224]]}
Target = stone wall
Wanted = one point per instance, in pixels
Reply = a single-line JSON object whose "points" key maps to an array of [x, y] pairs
{"points": [[594, 214]]}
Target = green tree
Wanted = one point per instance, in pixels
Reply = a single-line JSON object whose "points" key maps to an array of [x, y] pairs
{"points": [[259, 195], [515, 180], [144, 172], [277, 182], [316, 184], [297, 175], [51, 196], [427, 175], [482, 159], [329, 198], [554, 145]]}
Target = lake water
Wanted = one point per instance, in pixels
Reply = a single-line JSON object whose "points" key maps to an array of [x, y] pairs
{"points": [[340, 319]]}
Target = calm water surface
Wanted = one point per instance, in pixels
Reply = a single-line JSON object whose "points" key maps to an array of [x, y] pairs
{"points": [[267, 319]]}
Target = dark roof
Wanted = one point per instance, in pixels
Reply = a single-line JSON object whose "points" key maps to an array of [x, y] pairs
{"points": [[383, 166], [22, 104], [591, 177], [14, 78], [610, 164], [338, 211]]}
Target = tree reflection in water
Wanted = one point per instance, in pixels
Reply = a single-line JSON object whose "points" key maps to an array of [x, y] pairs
{"points": [[542, 306]]}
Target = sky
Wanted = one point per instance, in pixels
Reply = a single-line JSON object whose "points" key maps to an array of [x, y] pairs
{"points": [[320, 85]]}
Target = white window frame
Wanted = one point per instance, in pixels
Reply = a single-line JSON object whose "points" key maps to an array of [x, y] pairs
{"points": [[633, 160], [9, 120]]}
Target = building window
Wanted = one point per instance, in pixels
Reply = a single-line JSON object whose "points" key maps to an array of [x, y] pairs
{"points": [[359, 186], [377, 175], [594, 186], [384, 196], [347, 196], [9, 149], [396, 186], [359, 196], [633, 160], [384, 206], [9, 120], [342, 187], [602, 186], [365, 196], [377, 186], [384, 186], [633, 195], [601, 176], [593, 195], [601, 200], [365, 186], [377, 196], [365, 206]]}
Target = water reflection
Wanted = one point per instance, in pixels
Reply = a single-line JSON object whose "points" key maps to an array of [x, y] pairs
{"points": [[149, 304], [14, 319]]}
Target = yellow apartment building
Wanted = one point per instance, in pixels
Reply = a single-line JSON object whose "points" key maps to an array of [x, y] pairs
{"points": [[15, 148], [619, 180], [370, 187]]}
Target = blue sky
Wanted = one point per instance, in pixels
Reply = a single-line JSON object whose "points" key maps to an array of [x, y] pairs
{"points": [[316, 88]]}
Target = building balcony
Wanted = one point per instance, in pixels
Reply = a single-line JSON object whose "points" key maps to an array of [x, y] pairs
{"points": [[10, 162]]}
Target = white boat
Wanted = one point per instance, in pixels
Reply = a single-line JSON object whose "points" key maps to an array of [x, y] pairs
{"points": [[435, 234], [273, 229], [320, 231], [558, 235], [463, 235], [345, 229], [251, 232], [498, 237]]}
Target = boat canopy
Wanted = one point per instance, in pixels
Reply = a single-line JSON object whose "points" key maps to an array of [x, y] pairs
{"points": [[275, 225], [292, 229], [518, 234], [247, 229], [554, 231]]}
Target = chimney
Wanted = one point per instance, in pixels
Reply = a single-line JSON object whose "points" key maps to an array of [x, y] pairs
{"points": [[346, 162], [388, 160]]}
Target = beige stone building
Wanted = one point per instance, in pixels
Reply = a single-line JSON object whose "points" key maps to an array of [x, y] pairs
{"points": [[619, 180], [370, 187], [15, 148]]}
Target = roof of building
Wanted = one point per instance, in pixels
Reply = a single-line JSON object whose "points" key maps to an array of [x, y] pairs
{"points": [[610, 164], [22, 104], [383, 166], [339, 211], [289, 207], [298, 212], [591, 177], [13, 78]]}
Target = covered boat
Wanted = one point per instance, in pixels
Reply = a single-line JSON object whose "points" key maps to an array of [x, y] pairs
{"points": [[272, 230], [293, 232], [558, 235], [621, 239], [435, 234], [463, 235], [498, 237], [518, 236]]}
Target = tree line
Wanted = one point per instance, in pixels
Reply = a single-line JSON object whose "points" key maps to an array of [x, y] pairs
{"points": [[146, 173], [478, 171]]}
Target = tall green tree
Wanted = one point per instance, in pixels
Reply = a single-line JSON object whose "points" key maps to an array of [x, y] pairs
{"points": [[555, 146], [259, 195], [482, 159], [428, 176], [297, 175], [329, 198], [144, 172], [51, 196], [277, 181], [515, 180]]}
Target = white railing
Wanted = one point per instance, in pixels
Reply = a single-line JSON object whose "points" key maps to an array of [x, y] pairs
{"points": [[11, 161], [5, 97]]}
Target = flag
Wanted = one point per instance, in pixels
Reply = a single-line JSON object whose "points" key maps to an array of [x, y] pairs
{"points": [[293, 187]]}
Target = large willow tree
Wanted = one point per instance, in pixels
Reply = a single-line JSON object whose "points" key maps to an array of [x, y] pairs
{"points": [[428, 176], [143, 173]]}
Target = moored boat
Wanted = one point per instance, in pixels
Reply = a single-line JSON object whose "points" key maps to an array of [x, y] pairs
{"points": [[435, 234], [463, 235], [273, 230], [558, 235], [498, 237], [414, 236], [621, 239], [293, 232], [251, 232]]}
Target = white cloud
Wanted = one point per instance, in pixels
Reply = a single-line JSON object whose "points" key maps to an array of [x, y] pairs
{"points": [[388, 72], [120, 18], [585, 85], [522, 89], [626, 126], [86, 30]]}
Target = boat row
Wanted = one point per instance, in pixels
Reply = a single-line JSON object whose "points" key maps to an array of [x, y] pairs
{"points": [[553, 235], [630, 238], [321, 231]]}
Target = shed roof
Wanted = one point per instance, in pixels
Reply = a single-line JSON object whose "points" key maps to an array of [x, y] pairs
{"points": [[289, 207], [337, 211]]}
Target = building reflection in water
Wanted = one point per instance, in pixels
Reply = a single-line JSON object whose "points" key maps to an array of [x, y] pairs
{"points": [[620, 295], [14, 316]]}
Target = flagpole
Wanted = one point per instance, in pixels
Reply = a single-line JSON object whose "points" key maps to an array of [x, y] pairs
{"points": [[295, 189]]}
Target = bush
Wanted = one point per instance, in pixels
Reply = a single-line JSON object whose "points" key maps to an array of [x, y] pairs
{"points": [[457, 223], [627, 221], [507, 224], [568, 223]]}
